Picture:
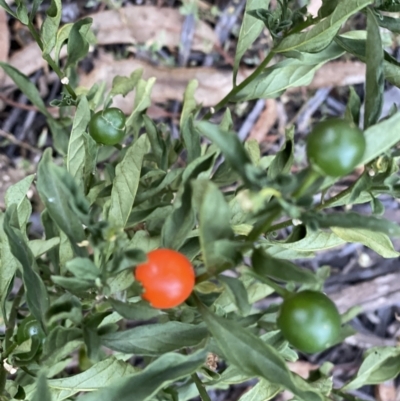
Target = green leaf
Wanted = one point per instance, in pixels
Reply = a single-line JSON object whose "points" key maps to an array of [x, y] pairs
{"points": [[51, 231], [126, 259], [142, 100], [22, 12], [191, 138], [249, 31], [134, 311], [42, 391], [381, 137], [155, 339], [41, 246], [63, 200], [98, 376], [139, 215], [254, 357], [283, 161], [278, 251], [180, 222], [252, 148], [91, 150], [65, 251], [322, 33], [380, 364], [392, 24], [313, 241], [60, 136], [352, 112], [328, 6], [378, 242], [374, 86], [65, 307], [76, 146], [36, 294], [351, 220], [74, 285], [83, 268], [172, 176], [230, 146], [62, 36], [189, 102], [142, 240], [262, 391], [50, 26], [231, 375], [26, 86], [392, 73], [255, 292], [126, 182], [201, 167], [391, 68], [124, 85], [377, 207], [388, 5], [226, 123], [16, 195], [265, 265], [158, 146], [60, 343], [165, 370], [286, 74], [237, 292], [7, 8], [8, 266], [78, 45], [214, 228]]}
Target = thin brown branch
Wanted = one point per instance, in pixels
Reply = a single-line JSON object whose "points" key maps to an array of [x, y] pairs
{"points": [[27, 107], [11, 138]]}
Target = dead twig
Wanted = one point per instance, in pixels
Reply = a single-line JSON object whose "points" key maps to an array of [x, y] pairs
{"points": [[27, 107], [11, 138]]}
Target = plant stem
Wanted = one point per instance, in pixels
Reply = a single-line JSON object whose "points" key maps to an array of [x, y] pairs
{"points": [[279, 226], [210, 274], [335, 198], [200, 388], [9, 350], [49, 60], [242, 85], [60, 74], [263, 226], [35, 35], [320, 206], [275, 286], [303, 25], [311, 176]]}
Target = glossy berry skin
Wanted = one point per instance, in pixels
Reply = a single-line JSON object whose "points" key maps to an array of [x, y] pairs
{"points": [[107, 127], [29, 328], [335, 147], [309, 321], [167, 278]]}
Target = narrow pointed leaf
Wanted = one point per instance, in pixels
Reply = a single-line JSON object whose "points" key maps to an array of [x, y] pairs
{"points": [[249, 31], [163, 371], [321, 34], [155, 339], [374, 86], [36, 294], [126, 182], [253, 356], [76, 145]]}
